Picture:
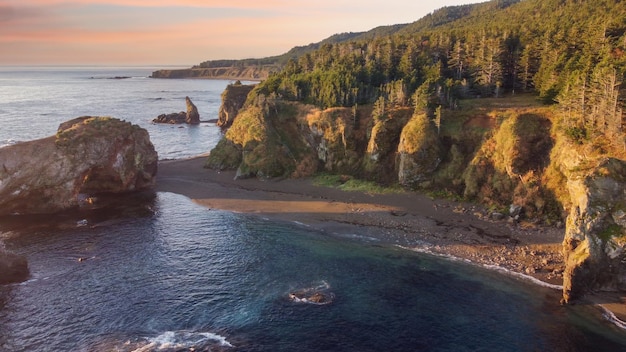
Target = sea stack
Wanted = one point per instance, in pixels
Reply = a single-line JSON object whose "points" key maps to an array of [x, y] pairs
{"points": [[192, 117]]}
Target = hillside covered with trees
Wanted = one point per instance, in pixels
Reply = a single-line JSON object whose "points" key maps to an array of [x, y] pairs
{"points": [[515, 104]]}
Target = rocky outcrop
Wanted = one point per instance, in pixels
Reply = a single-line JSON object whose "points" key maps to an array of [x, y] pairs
{"points": [[419, 152], [88, 156], [13, 268], [233, 98], [594, 246], [382, 147], [191, 116]]}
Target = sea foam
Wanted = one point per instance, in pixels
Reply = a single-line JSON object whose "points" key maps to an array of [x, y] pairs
{"points": [[177, 340]]}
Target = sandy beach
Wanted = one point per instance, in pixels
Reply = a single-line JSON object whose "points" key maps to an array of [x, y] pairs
{"points": [[408, 219]]}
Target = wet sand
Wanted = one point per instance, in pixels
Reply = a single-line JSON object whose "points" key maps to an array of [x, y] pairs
{"points": [[408, 219]]}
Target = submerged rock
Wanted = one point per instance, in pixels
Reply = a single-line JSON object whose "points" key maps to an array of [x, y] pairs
{"points": [[88, 156], [319, 294], [13, 268]]}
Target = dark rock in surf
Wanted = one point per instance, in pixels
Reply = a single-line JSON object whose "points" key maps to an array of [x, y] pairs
{"points": [[191, 116]]}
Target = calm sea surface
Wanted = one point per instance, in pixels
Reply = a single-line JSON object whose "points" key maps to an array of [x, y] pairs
{"points": [[160, 273]]}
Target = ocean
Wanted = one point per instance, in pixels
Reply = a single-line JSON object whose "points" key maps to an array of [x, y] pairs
{"points": [[157, 272]]}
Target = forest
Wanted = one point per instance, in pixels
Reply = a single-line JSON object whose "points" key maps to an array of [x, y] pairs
{"points": [[568, 53]]}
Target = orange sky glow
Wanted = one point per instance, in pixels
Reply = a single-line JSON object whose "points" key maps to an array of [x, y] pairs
{"points": [[183, 32]]}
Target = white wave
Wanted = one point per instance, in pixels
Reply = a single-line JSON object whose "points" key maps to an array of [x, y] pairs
{"points": [[611, 317], [176, 340], [7, 142], [523, 277], [426, 249]]}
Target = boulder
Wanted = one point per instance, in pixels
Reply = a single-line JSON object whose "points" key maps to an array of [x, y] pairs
{"points": [[13, 268], [88, 156]]}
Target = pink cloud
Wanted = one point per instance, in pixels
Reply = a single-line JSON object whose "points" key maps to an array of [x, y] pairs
{"points": [[156, 3]]}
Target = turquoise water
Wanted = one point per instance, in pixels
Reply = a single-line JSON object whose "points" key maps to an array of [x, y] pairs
{"points": [[156, 272], [167, 275]]}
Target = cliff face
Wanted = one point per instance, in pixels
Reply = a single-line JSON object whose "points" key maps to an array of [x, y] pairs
{"points": [[233, 98], [594, 246], [89, 155]]}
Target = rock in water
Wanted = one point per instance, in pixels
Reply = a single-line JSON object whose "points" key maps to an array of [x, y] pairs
{"points": [[88, 155], [192, 117], [13, 268], [173, 118]]}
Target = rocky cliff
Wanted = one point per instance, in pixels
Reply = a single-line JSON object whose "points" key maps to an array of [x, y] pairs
{"points": [[594, 246], [233, 98], [252, 73], [514, 160], [88, 156]]}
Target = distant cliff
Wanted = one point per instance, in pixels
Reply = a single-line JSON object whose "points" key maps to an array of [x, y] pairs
{"points": [[251, 73], [511, 156]]}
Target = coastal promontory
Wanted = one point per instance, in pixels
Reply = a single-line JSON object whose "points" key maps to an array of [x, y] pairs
{"points": [[88, 156]]}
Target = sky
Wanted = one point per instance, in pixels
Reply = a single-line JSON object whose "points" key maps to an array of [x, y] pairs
{"points": [[184, 32]]}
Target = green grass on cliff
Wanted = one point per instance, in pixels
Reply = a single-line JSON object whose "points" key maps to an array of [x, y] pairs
{"points": [[350, 184]]}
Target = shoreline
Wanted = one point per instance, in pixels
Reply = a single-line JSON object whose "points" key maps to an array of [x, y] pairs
{"points": [[409, 220]]}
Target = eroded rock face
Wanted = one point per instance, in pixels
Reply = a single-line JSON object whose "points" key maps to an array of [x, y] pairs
{"points": [[89, 155], [594, 246], [13, 268], [233, 98], [418, 151]]}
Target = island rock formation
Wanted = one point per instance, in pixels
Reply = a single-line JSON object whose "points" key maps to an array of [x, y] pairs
{"points": [[88, 156], [191, 116], [13, 268]]}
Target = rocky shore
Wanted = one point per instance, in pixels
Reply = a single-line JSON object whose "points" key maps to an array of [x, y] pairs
{"points": [[406, 219], [410, 220]]}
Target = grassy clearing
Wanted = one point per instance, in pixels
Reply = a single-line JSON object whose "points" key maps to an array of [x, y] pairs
{"points": [[347, 183]]}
